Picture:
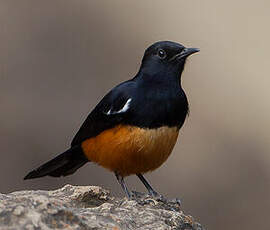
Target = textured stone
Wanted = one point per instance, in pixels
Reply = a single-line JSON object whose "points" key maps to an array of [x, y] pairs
{"points": [[89, 207]]}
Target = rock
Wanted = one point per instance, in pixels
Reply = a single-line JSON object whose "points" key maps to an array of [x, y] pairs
{"points": [[89, 207]]}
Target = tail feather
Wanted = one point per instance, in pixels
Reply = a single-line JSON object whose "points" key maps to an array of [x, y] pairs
{"points": [[62, 165]]}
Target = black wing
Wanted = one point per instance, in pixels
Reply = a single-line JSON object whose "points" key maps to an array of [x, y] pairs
{"points": [[112, 110]]}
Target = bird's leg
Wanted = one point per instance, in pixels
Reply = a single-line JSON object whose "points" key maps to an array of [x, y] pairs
{"points": [[121, 181], [151, 191]]}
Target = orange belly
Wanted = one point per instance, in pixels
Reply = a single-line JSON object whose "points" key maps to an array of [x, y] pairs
{"points": [[130, 150]]}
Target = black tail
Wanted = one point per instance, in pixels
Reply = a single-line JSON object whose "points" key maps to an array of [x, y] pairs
{"points": [[62, 165]]}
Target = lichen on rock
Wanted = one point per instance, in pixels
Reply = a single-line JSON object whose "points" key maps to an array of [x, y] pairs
{"points": [[90, 207]]}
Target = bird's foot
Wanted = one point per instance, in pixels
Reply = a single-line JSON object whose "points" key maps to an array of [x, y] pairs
{"points": [[154, 194], [157, 200]]}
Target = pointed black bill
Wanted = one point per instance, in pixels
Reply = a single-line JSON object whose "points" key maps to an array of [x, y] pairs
{"points": [[188, 51]]}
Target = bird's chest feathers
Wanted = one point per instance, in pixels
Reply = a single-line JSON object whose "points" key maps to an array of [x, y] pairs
{"points": [[129, 149], [160, 108]]}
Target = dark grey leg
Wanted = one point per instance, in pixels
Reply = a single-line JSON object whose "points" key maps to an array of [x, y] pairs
{"points": [[151, 191], [121, 181]]}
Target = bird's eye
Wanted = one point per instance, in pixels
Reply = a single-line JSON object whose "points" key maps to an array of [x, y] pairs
{"points": [[162, 54]]}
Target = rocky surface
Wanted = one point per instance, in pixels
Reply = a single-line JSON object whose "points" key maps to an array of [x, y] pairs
{"points": [[89, 207]]}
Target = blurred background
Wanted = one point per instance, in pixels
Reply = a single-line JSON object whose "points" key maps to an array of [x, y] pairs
{"points": [[58, 59]]}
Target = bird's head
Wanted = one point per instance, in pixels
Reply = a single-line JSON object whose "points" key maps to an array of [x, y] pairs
{"points": [[165, 57]]}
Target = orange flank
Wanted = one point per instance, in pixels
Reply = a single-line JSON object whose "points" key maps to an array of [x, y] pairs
{"points": [[129, 150]]}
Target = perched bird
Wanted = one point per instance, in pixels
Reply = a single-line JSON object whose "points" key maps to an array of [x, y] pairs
{"points": [[134, 128]]}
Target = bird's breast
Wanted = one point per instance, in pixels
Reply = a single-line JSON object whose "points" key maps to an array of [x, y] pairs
{"points": [[129, 149]]}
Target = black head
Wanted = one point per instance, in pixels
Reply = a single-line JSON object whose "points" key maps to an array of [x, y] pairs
{"points": [[165, 58]]}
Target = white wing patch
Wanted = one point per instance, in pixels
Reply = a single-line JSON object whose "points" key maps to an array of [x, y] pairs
{"points": [[122, 110]]}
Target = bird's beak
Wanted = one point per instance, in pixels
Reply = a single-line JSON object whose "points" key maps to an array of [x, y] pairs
{"points": [[188, 51]]}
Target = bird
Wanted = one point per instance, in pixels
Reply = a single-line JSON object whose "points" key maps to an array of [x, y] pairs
{"points": [[135, 126]]}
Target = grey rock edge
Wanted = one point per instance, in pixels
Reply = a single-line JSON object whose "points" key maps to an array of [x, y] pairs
{"points": [[89, 207]]}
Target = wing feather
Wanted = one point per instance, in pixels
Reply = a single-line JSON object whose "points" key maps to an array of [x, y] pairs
{"points": [[112, 110]]}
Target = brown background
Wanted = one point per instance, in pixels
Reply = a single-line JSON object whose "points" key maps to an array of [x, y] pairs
{"points": [[58, 58]]}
